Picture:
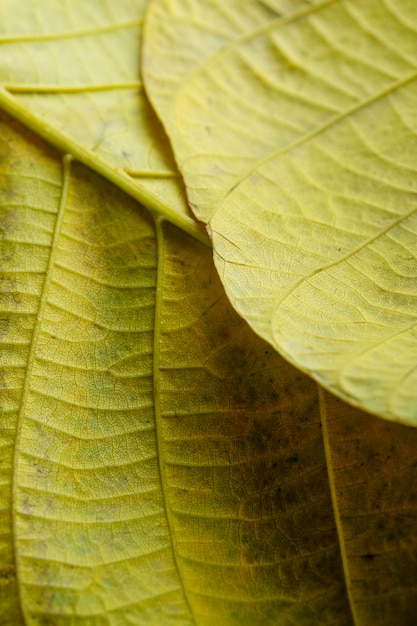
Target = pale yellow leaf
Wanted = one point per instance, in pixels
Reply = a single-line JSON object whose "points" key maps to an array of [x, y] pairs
{"points": [[186, 70], [303, 133]]}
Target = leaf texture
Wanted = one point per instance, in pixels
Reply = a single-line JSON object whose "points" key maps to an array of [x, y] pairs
{"points": [[149, 444], [372, 464], [72, 72], [303, 134], [186, 48], [160, 464]]}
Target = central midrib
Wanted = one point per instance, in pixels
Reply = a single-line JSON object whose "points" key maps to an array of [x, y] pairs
{"points": [[158, 415], [333, 495]]}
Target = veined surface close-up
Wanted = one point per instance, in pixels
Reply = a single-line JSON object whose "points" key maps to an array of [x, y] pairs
{"points": [[161, 463], [296, 140]]}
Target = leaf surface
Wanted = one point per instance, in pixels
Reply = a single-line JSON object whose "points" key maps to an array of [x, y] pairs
{"points": [[72, 73], [159, 463], [187, 46], [149, 440], [303, 133]]}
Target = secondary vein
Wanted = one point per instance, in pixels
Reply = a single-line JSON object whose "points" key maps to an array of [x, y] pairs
{"points": [[72, 34]]}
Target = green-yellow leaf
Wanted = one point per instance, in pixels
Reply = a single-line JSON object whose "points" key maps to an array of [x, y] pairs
{"points": [[72, 73], [161, 473], [303, 133], [159, 464]]}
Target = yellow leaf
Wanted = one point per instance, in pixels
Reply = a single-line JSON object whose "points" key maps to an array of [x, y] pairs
{"points": [[159, 463], [72, 73], [151, 428], [186, 69], [302, 132]]}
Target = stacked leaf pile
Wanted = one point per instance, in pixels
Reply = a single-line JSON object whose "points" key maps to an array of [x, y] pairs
{"points": [[189, 441]]}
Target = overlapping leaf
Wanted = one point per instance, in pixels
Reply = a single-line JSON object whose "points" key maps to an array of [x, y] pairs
{"points": [[159, 464], [72, 71], [304, 133], [94, 469], [160, 469], [185, 66]]}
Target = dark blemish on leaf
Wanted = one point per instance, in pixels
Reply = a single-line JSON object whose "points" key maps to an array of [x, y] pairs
{"points": [[290, 497], [368, 557], [292, 459], [223, 332], [259, 436], [4, 327], [244, 395], [257, 441], [246, 539], [7, 575], [239, 357]]}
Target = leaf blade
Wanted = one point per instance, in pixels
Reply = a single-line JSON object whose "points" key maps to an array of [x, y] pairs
{"points": [[203, 341], [299, 148], [371, 458], [208, 173], [102, 117], [90, 514], [361, 273]]}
